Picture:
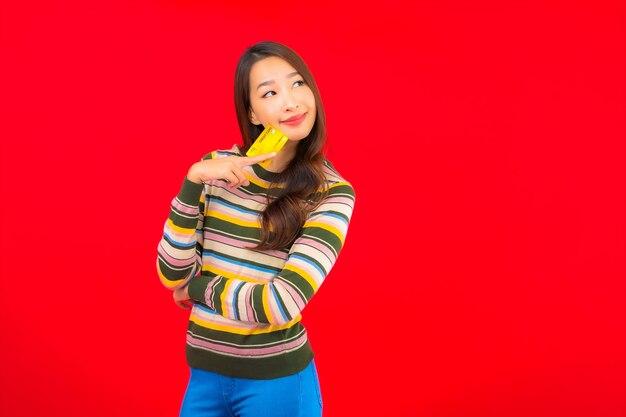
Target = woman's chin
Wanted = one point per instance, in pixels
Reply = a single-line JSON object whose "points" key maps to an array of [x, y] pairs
{"points": [[296, 138]]}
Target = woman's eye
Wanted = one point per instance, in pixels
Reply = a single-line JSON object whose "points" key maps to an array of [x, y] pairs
{"points": [[298, 83]]}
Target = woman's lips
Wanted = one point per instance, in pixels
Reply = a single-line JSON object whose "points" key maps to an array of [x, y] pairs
{"points": [[294, 121]]}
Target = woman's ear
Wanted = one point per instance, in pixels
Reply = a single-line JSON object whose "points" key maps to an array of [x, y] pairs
{"points": [[253, 119]]}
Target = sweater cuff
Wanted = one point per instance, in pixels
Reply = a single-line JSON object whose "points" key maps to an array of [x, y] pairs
{"points": [[197, 288], [190, 192]]}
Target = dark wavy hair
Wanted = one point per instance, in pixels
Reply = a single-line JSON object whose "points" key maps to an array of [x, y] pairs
{"points": [[290, 204]]}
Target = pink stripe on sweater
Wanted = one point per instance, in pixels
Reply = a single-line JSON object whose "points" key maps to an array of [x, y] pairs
{"points": [[175, 261], [268, 351], [295, 295], [176, 203], [319, 246], [241, 244], [227, 240], [239, 193], [337, 199], [249, 312]]}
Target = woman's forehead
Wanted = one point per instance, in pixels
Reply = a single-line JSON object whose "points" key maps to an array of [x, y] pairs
{"points": [[271, 67]]}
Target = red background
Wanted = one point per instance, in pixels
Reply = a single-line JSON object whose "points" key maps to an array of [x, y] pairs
{"points": [[484, 270]]}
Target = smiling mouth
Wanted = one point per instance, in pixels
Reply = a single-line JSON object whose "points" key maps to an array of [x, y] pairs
{"points": [[295, 119]]}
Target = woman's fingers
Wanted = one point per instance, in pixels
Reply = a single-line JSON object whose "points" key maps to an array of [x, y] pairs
{"points": [[251, 160], [241, 177], [228, 169], [234, 175], [181, 298], [232, 179]]}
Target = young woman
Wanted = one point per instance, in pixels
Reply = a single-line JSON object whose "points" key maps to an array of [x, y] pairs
{"points": [[247, 246]]}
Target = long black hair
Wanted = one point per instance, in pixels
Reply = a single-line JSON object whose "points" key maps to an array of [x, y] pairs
{"points": [[290, 204]]}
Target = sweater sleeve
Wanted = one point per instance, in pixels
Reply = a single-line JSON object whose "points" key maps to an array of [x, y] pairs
{"points": [[310, 259], [180, 249]]}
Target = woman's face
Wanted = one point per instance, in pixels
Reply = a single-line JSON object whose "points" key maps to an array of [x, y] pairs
{"points": [[280, 97]]}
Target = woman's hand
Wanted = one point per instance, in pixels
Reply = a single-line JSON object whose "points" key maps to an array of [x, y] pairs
{"points": [[182, 299], [227, 168]]}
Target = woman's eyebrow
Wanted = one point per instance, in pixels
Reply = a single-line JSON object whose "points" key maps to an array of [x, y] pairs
{"points": [[269, 82]]}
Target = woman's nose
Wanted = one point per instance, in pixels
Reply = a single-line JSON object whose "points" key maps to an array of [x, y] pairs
{"points": [[291, 102]]}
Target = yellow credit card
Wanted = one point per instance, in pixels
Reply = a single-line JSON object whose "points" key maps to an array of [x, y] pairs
{"points": [[270, 140]]}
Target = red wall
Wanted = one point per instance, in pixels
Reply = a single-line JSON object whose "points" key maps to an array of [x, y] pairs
{"points": [[484, 270]]}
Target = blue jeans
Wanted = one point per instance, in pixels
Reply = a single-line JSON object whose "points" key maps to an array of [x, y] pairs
{"points": [[213, 395]]}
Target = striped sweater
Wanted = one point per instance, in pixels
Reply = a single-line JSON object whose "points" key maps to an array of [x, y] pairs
{"points": [[246, 318]]}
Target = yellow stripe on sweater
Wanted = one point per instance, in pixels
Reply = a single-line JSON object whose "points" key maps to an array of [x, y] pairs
{"points": [[303, 274], [182, 230], [223, 297], [238, 330], [233, 220], [168, 283], [338, 184], [326, 226], [256, 181]]}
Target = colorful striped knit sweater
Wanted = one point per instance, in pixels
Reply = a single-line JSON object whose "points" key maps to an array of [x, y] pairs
{"points": [[246, 318]]}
